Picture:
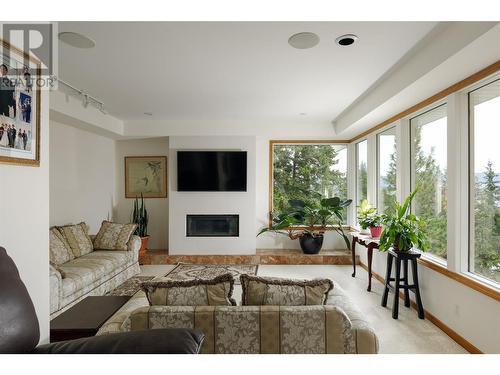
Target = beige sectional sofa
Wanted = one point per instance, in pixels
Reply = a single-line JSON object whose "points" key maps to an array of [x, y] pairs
{"points": [[337, 327], [94, 273]]}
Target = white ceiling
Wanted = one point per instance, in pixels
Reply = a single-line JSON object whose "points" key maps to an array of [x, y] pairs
{"points": [[209, 72]]}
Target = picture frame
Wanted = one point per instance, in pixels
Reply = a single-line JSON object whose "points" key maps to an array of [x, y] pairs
{"points": [[19, 107], [146, 175]]}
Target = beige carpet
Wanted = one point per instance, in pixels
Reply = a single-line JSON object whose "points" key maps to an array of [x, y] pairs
{"points": [[407, 335]]}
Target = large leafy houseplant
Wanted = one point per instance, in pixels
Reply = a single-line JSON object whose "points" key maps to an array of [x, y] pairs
{"points": [[310, 220], [402, 229]]}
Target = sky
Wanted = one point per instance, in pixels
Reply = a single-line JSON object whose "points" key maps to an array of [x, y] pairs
{"points": [[487, 134]]}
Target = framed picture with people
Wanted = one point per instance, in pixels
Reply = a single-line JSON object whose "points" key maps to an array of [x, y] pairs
{"points": [[19, 107]]}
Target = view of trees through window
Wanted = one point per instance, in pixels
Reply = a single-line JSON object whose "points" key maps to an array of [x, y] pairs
{"points": [[386, 179], [429, 163], [485, 211], [299, 169], [361, 172]]}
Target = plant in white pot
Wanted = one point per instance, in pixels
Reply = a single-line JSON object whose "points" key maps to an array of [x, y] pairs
{"points": [[365, 212], [140, 217]]}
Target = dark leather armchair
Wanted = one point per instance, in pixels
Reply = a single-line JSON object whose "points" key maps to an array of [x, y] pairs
{"points": [[20, 333]]}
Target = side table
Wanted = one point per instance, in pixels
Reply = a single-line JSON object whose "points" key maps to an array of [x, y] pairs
{"points": [[370, 243], [85, 318], [402, 282]]}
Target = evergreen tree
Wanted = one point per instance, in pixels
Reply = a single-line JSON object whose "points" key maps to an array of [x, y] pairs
{"points": [[302, 169], [430, 201], [389, 186], [486, 219], [362, 181]]}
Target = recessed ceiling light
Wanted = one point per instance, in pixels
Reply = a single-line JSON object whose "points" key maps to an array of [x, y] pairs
{"points": [[76, 40], [346, 40], [303, 40], [148, 113]]}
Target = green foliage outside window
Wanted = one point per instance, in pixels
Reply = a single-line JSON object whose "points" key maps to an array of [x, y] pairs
{"points": [[300, 169]]}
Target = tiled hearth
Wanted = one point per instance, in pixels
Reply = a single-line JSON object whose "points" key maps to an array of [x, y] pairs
{"points": [[262, 257]]}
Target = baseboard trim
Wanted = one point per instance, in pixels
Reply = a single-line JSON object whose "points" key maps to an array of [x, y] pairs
{"points": [[431, 318]]}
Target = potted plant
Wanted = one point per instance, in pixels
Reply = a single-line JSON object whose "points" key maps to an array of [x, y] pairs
{"points": [[308, 222], [402, 229], [141, 218], [365, 211]]}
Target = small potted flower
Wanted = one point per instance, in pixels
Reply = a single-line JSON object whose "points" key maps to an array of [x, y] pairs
{"points": [[373, 223]]}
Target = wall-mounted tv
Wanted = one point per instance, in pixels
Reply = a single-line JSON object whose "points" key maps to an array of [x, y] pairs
{"points": [[211, 170]]}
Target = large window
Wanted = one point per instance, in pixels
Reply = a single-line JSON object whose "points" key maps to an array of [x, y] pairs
{"points": [[361, 171], [428, 173], [299, 169], [386, 176], [484, 257]]}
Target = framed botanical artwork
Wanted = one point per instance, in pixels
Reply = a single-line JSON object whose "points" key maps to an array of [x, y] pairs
{"points": [[19, 107], [146, 175]]}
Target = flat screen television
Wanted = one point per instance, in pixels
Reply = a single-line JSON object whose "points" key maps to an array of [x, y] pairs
{"points": [[211, 170]]}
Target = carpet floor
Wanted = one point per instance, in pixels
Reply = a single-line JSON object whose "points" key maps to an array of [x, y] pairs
{"points": [[408, 334]]}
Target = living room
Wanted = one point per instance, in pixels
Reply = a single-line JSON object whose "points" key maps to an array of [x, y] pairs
{"points": [[262, 187]]}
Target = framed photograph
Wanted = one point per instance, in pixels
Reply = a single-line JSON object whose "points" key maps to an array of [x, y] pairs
{"points": [[146, 175], [19, 107]]}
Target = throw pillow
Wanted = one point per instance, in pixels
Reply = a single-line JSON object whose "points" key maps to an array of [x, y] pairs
{"points": [[78, 238], [197, 292], [285, 292], [113, 236], [59, 250]]}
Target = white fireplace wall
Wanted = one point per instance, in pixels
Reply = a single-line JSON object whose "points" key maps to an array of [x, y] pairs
{"points": [[238, 203]]}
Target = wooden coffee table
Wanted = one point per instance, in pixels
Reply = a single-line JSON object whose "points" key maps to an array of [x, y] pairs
{"points": [[85, 318]]}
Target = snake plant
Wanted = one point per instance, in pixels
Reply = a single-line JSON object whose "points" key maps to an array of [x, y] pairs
{"points": [[140, 217]]}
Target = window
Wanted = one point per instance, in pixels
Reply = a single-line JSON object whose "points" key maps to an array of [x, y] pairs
{"points": [[484, 256], [299, 169], [361, 171], [386, 177], [428, 173]]}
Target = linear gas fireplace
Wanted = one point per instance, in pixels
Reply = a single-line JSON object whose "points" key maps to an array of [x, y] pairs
{"points": [[212, 226]]}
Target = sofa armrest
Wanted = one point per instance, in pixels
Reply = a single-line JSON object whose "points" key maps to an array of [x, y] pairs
{"points": [[134, 244], [55, 282], [364, 336]]}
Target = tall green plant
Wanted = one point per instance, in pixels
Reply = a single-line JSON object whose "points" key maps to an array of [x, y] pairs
{"points": [[402, 229], [140, 217]]}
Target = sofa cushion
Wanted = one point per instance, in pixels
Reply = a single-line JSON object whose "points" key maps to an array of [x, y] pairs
{"points": [[60, 250], [113, 236], [197, 292], [78, 238], [284, 292], [87, 269]]}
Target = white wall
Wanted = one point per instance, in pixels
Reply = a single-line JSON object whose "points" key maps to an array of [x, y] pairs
{"points": [[184, 203], [157, 207], [82, 176], [24, 222]]}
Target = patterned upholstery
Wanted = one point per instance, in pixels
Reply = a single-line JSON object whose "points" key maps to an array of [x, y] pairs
{"points": [[78, 238], [195, 292], [95, 273], [259, 290], [363, 339], [60, 251], [113, 236], [254, 329]]}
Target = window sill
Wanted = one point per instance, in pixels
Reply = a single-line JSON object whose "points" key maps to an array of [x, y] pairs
{"points": [[465, 279]]}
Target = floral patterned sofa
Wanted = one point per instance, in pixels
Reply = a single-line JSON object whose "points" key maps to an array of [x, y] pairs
{"points": [[78, 270], [337, 327]]}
